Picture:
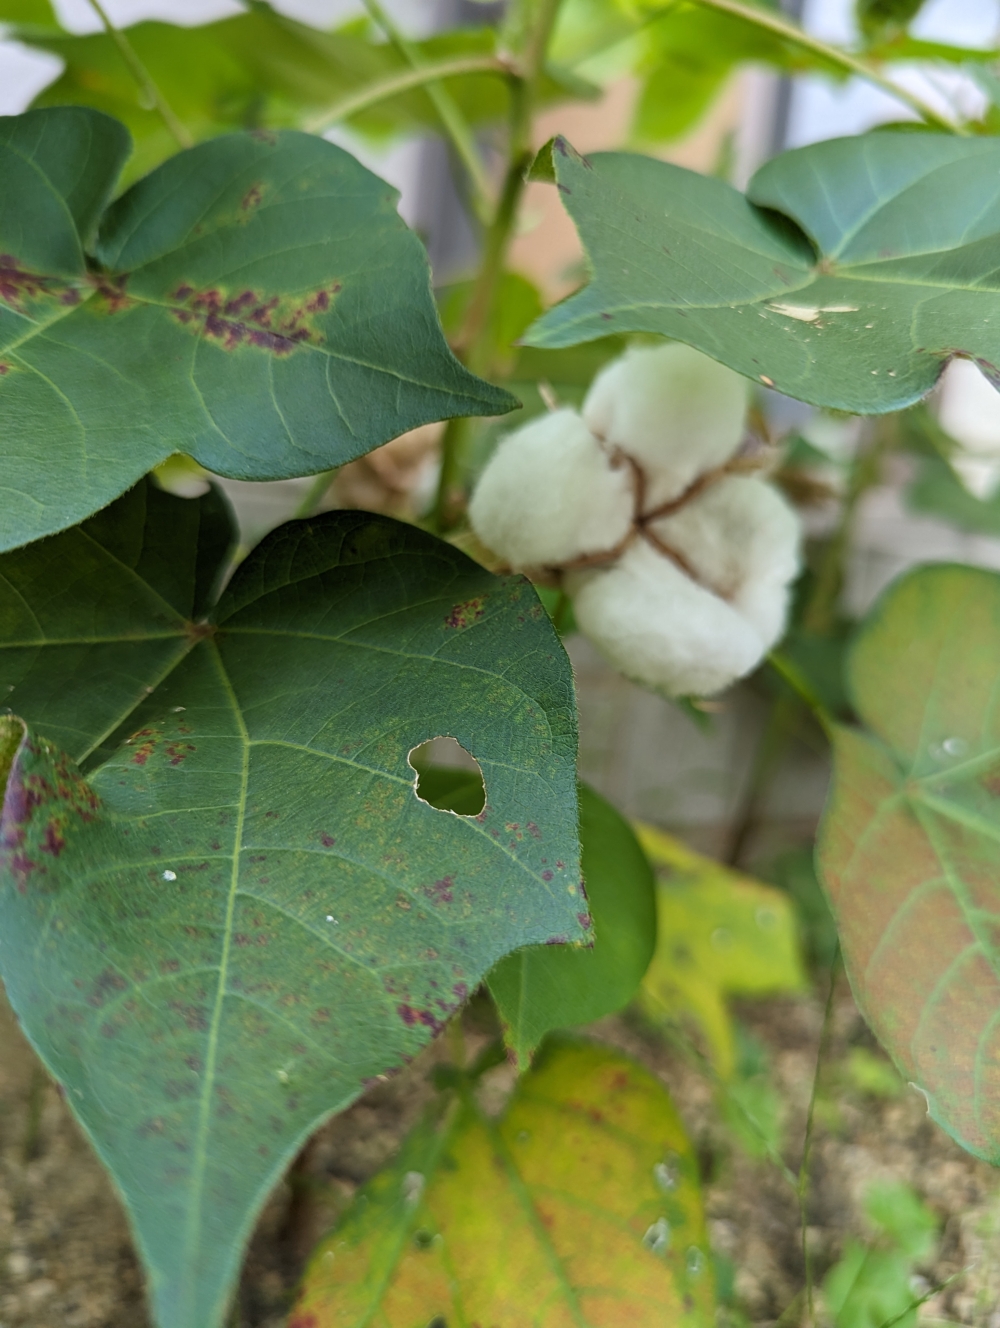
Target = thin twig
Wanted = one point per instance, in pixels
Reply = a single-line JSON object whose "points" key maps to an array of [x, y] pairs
{"points": [[372, 93], [144, 80], [448, 110], [802, 1186], [781, 27], [790, 672], [312, 495]]}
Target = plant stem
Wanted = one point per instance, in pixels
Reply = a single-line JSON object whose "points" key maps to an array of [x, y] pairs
{"points": [[474, 341], [802, 1187], [143, 78], [373, 93], [314, 493], [821, 610], [447, 108], [790, 673], [781, 27]]}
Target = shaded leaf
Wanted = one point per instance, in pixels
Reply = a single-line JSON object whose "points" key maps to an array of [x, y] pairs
{"points": [[261, 69], [908, 848], [580, 1207], [259, 305], [243, 912], [848, 275], [719, 933], [552, 987], [938, 491], [690, 54]]}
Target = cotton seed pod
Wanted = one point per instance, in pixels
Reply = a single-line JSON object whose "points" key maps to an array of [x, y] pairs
{"points": [[550, 494], [660, 628], [741, 538], [677, 412]]}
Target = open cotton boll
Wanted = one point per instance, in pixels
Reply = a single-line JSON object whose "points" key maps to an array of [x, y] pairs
{"points": [[549, 494], [677, 412], [969, 410], [742, 540], [660, 628]]}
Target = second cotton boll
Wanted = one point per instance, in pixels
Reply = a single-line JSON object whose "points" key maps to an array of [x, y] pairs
{"points": [[688, 600]]}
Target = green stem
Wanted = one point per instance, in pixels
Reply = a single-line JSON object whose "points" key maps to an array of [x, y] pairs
{"points": [[447, 108], [821, 610], [143, 78], [802, 1186], [789, 671], [474, 341], [314, 493], [372, 93], [773, 22]]}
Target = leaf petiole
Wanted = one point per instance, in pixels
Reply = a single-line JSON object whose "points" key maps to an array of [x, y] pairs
{"points": [[781, 27], [448, 110], [385, 88], [144, 79]]}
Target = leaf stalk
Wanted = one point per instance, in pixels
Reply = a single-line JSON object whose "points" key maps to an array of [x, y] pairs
{"points": [[143, 78], [474, 341], [781, 27], [384, 88], [449, 112]]}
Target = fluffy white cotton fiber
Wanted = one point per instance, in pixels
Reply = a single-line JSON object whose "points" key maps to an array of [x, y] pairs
{"points": [[742, 539], [694, 599], [660, 628], [550, 494], [673, 409], [969, 410]]}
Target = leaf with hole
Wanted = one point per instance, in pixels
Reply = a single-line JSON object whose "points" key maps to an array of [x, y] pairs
{"points": [[241, 912], [544, 988], [580, 1206], [847, 276], [719, 933], [255, 302], [909, 850]]}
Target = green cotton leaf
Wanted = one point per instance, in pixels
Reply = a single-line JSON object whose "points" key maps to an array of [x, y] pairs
{"points": [[241, 912], [580, 1206], [542, 989], [263, 69], [908, 850], [256, 303], [690, 53], [848, 275]]}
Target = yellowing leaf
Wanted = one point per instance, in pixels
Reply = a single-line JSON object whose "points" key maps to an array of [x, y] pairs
{"points": [[579, 1209], [719, 933]]}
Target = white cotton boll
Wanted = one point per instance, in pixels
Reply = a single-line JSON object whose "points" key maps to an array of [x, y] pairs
{"points": [[660, 628], [677, 412], [741, 538], [549, 494], [969, 410]]}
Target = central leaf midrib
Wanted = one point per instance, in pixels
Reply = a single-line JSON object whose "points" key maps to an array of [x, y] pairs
{"points": [[200, 1162], [522, 1193]]}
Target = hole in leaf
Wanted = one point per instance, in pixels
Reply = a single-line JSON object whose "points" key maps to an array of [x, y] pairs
{"points": [[448, 777]]}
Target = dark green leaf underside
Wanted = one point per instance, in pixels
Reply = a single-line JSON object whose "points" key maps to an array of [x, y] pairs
{"points": [[245, 912]]}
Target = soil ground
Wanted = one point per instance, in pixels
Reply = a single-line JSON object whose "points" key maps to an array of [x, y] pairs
{"points": [[66, 1258]]}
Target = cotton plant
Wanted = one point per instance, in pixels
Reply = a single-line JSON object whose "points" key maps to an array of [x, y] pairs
{"points": [[645, 507]]}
